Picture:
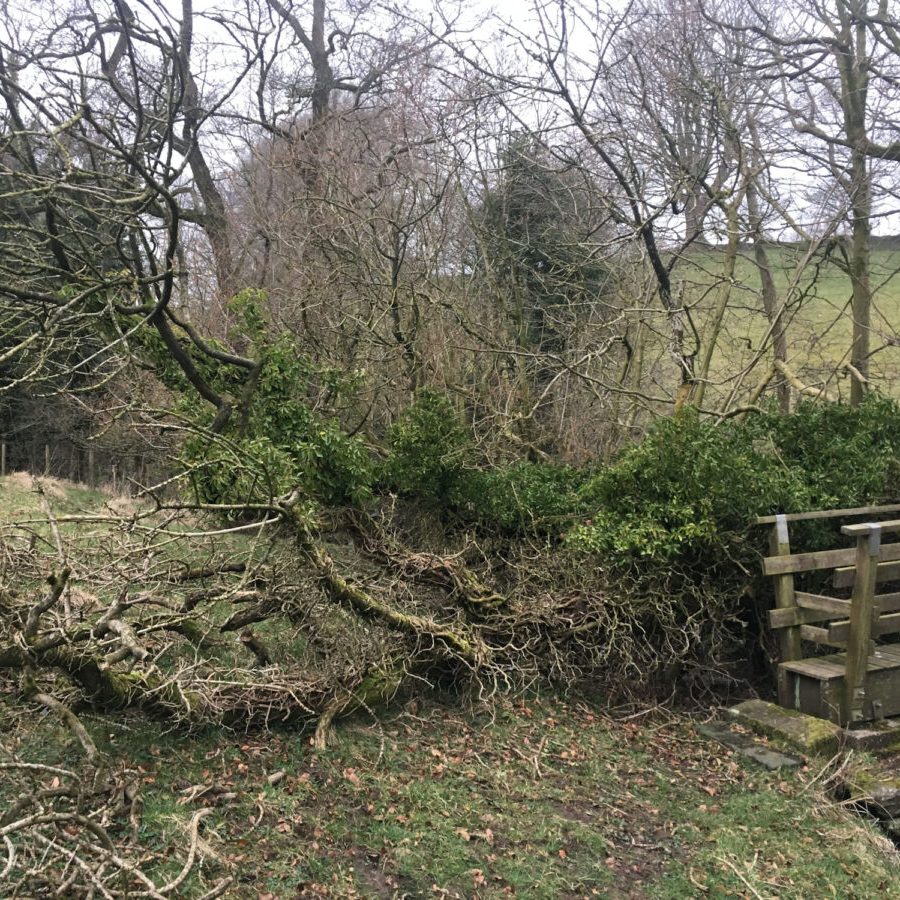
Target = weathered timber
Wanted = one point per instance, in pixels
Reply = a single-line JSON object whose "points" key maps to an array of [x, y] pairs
{"points": [[780, 547], [888, 603], [866, 528], [859, 638], [821, 603], [840, 631], [831, 514], [886, 571], [816, 686], [810, 608], [817, 635], [821, 559], [860, 683], [790, 618]]}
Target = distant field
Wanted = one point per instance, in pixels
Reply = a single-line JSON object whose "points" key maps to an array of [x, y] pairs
{"points": [[819, 318]]}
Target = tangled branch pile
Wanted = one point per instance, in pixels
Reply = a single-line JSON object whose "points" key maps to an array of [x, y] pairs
{"points": [[75, 834]]}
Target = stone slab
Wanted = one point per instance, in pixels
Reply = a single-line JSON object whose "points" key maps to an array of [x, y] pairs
{"points": [[807, 734], [746, 746], [874, 736], [884, 801]]}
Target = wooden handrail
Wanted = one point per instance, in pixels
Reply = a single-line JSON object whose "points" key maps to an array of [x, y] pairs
{"points": [[796, 563], [831, 514], [864, 528]]}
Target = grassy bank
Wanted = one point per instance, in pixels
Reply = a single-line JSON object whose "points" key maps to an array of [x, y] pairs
{"points": [[541, 798]]}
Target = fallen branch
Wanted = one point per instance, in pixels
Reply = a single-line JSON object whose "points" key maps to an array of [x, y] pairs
{"points": [[57, 586], [73, 723], [801, 388], [448, 573], [470, 648]]}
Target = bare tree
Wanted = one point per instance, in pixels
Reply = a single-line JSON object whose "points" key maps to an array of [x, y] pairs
{"points": [[837, 64]]}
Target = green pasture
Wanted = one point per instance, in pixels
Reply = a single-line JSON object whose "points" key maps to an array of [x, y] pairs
{"points": [[816, 295]]}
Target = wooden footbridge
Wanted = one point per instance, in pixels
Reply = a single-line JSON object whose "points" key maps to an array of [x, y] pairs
{"points": [[852, 673]]}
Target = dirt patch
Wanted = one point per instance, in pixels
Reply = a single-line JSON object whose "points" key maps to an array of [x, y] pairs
{"points": [[369, 875], [586, 815]]}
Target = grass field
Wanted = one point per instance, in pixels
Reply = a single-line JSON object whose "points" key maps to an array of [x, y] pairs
{"points": [[818, 317], [437, 796]]}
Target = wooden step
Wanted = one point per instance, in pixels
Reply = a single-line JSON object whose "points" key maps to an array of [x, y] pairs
{"points": [[815, 686]]}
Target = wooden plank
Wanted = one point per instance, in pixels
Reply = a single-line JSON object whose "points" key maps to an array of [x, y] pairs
{"points": [[832, 668], [887, 571], [832, 514], [793, 616], [859, 636], [823, 697], [822, 559], [820, 603], [864, 528], [840, 631], [887, 603], [821, 636], [808, 562], [890, 653], [875, 662], [822, 668], [887, 624]]}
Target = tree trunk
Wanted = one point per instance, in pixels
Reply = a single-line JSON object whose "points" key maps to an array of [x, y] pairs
{"points": [[769, 294]]}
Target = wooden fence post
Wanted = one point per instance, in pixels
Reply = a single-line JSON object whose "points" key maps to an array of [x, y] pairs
{"points": [[862, 613], [780, 545], [92, 470]]}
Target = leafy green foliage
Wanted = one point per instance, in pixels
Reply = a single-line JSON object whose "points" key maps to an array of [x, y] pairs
{"points": [[432, 456], [692, 488], [687, 493], [682, 489], [331, 465], [278, 439], [848, 456], [524, 498], [430, 449]]}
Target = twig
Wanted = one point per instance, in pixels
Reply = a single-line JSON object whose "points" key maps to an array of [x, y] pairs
{"points": [[74, 724], [10, 857], [219, 889], [743, 878], [194, 828], [57, 539]]}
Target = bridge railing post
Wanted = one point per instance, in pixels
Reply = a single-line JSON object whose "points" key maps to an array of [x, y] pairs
{"points": [[789, 639], [862, 616]]}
